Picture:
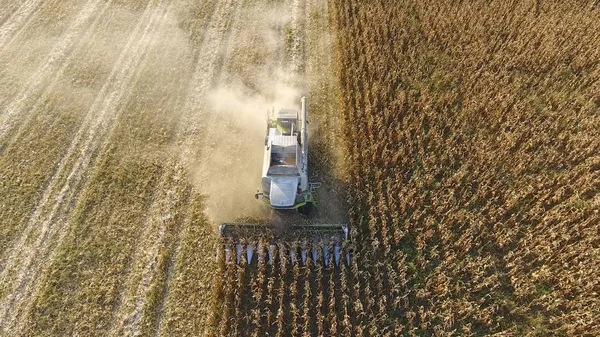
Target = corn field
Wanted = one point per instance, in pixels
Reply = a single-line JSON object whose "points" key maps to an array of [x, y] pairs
{"points": [[472, 140]]}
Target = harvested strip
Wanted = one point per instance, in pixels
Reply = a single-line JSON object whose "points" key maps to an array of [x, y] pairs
{"points": [[18, 22], [59, 57], [102, 106]]}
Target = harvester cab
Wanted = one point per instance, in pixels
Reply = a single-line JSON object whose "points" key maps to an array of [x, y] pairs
{"points": [[286, 190], [285, 170]]}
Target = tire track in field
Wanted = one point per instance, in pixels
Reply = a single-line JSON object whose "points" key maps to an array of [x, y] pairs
{"points": [[225, 49], [205, 74], [160, 213], [128, 318], [292, 49], [59, 58], [160, 311], [296, 53], [213, 49], [18, 21], [9, 9], [97, 125]]}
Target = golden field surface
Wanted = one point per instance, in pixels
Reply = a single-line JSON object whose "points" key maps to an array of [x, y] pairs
{"points": [[127, 130], [459, 140]]}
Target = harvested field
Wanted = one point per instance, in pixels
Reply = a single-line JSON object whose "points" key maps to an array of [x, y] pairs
{"points": [[100, 214], [120, 121]]}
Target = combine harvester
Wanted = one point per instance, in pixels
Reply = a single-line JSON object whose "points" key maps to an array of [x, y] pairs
{"points": [[287, 191]]}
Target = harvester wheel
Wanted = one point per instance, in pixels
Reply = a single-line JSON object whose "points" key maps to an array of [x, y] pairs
{"points": [[306, 209]]}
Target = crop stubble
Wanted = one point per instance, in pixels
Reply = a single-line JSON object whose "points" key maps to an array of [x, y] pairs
{"points": [[106, 232]]}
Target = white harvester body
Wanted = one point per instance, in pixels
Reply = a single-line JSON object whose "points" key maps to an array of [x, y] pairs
{"points": [[285, 182]]}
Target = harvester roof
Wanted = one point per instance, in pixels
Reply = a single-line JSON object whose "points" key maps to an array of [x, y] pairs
{"points": [[283, 144]]}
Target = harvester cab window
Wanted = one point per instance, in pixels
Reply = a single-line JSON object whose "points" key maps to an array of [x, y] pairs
{"points": [[285, 125], [287, 121]]}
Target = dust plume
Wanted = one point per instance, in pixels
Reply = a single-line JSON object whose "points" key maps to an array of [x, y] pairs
{"points": [[230, 167], [232, 171]]}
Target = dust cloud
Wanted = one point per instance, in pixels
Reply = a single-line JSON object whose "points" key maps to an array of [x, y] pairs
{"points": [[231, 173], [229, 169]]}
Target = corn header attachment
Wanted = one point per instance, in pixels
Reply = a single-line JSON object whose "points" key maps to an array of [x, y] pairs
{"points": [[319, 243], [285, 187]]}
